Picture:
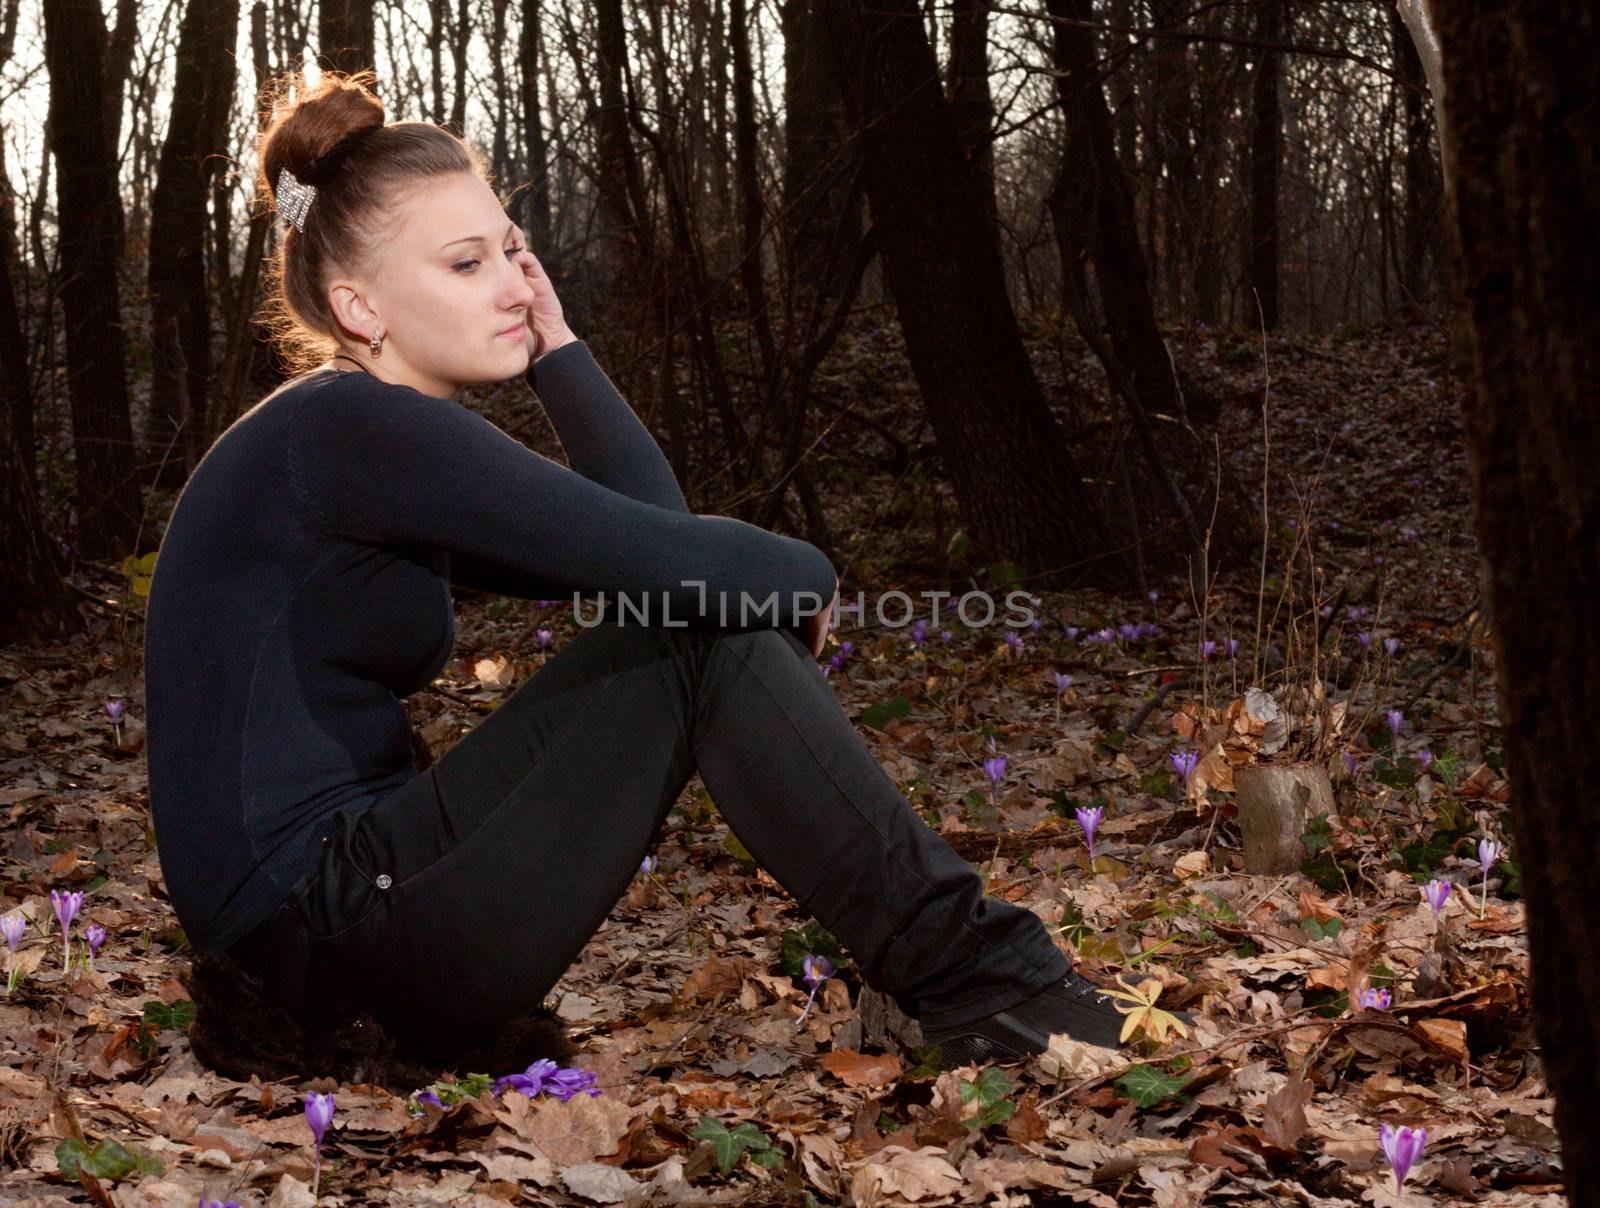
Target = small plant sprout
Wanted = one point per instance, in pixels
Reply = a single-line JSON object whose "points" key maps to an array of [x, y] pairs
{"points": [[114, 710], [66, 906], [1183, 763], [319, 1114], [1436, 893], [96, 935], [11, 927], [1089, 819], [1063, 682], [1375, 998], [1488, 852], [1402, 1146], [814, 971]]}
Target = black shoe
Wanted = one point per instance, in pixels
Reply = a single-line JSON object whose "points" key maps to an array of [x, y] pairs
{"points": [[1073, 1006]]}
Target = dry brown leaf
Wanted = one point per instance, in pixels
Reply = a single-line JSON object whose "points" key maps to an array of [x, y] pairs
{"points": [[580, 1130], [861, 1069], [896, 1175]]}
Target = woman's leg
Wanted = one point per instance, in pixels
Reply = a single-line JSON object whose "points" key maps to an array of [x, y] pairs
{"points": [[474, 886]]}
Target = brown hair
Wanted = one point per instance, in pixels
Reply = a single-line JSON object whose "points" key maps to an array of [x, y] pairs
{"points": [[333, 136]]}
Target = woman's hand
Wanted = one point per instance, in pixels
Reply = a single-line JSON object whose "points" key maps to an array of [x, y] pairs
{"points": [[814, 629], [547, 328]]}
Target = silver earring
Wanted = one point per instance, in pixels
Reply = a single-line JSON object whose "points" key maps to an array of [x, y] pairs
{"points": [[376, 343]]}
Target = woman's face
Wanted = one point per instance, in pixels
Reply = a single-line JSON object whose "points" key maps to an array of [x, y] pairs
{"points": [[448, 294]]}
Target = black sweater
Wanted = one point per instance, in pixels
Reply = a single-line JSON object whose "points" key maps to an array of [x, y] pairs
{"points": [[302, 589]]}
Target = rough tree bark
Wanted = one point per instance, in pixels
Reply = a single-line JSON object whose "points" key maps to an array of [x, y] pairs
{"points": [[1018, 487], [180, 294], [1522, 126], [1266, 149], [90, 247]]}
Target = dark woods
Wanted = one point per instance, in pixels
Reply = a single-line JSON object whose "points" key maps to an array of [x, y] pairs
{"points": [[727, 195]]}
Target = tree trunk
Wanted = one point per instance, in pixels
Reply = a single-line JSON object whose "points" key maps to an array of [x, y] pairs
{"points": [[36, 604], [536, 199], [1523, 198], [1016, 482], [1420, 212], [180, 295], [345, 39], [1094, 214], [971, 106], [1266, 149], [90, 247], [818, 163]]}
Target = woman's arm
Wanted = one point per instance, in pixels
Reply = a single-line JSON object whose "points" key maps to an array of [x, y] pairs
{"points": [[602, 437], [381, 463]]}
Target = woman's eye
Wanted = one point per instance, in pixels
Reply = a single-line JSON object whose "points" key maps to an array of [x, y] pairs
{"points": [[466, 266]]}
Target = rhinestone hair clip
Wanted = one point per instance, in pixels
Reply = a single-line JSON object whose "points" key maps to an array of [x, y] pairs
{"points": [[294, 199]]}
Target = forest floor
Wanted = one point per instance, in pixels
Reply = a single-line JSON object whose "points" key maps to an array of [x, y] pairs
{"points": [[688, 1003]]}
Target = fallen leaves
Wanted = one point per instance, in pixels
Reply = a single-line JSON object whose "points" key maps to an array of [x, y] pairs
{"points": [[861, 1069]]}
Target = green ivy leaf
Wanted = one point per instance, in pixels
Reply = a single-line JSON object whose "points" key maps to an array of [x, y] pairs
{"points": [[1147, 1086], [877, 716], [178, 1015], [730, 1143], [989, 1087], [109, 1160]]}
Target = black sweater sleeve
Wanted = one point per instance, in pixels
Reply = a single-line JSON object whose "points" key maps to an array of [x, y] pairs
{"points": [[603, 440], [384, 464]]}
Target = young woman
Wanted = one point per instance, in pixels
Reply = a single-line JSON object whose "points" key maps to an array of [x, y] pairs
{"points": [[303, 589]]}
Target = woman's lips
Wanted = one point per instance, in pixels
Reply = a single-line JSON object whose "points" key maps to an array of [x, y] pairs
{"points": [[514, 329]]}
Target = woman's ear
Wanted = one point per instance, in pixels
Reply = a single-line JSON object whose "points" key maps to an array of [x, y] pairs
{"points": [[350, 308]]}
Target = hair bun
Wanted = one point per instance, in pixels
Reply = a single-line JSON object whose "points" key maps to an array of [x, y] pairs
{"points": [[313, 132]]}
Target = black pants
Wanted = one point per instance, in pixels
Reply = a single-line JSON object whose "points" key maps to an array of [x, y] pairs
{"points": [[456, 902]]}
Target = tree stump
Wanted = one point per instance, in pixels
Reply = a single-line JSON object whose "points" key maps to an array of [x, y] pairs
{"points": [[1275, 803]]}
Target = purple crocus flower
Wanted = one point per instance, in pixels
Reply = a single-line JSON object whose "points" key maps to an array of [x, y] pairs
{"points": [[1072, 632], [1349, 762], [1149, 629], [1089, 819], [814, 971], [1036, 624], [1488, 852], [1408, 534], [319, 1114], [994, 768], [1354, 612], [205, 1203], [12, 927], [1396, 719], [1207, 649], [1127, 631], [1425, 758], [648, 864], [563, 1084], [1012, 640], [1183, 762], [1436, 893], [66, 906], [1231, 647], [1375, 999], [945, 635], [114, 708], [544, 636], [1390, 645], [1402, 1146], [1063, 682], [96, 935], [530, 1082], [1154, 596], [1326, 610], [1364, 639]]}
